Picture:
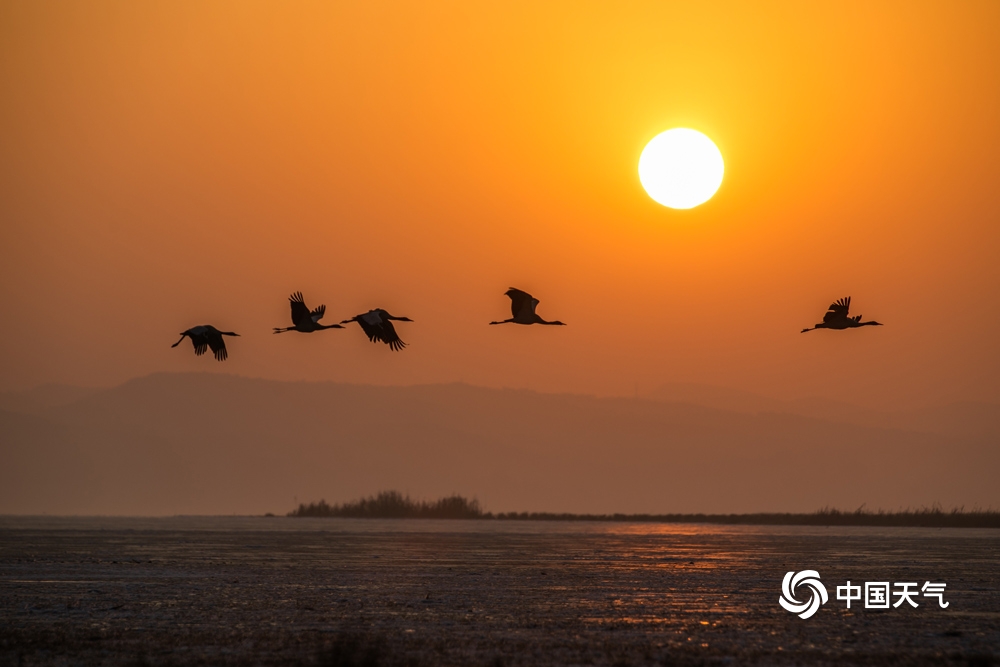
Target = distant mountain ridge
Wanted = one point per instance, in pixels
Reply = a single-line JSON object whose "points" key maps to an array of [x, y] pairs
{"points": [[963, 418], [44, 396], [219, 444]]}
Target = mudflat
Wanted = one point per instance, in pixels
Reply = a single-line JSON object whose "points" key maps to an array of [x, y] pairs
{"points": [[241, 591]]}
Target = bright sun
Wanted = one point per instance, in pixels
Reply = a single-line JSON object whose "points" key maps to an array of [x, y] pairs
{"points": [[680, 168]]}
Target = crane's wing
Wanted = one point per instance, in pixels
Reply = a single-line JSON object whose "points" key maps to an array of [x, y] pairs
{"points": [[200, 342], [318, 312], [300, 313], [218, 345], [838, 310], [390, 337], [380, 330], [371, 324], [521, 302]]}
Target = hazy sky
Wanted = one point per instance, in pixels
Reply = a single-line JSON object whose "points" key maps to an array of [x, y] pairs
{"points": [[166, 164]]}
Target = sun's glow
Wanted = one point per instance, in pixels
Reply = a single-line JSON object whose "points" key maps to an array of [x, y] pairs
{"points": [[681, 168]]}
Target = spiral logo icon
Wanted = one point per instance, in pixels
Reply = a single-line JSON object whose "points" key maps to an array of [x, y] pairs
{"points": [[817, 594]]}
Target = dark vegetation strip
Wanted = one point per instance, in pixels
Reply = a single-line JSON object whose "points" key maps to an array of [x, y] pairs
{"points": [[394, 505]]}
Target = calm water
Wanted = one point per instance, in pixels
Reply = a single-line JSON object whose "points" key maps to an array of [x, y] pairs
{"points": [[221, 590]]}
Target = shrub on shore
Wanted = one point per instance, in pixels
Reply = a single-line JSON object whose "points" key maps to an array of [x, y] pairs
{"points": [[394, 505], [920, 518]]}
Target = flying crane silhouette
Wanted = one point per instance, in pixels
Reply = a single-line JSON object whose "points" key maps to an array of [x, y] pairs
{"points": [[302, 319], [206, 336], [377, 325], [837, 318], [522, 307]]}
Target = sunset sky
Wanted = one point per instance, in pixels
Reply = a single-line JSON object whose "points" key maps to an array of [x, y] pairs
{"points": [[166, 164]]}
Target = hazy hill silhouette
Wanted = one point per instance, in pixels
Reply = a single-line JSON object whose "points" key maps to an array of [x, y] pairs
{"points": [[966, 418], [42, 397], [210, 443]]}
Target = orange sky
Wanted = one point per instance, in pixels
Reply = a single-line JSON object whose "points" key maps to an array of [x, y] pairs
{"points": [[168, 164]]}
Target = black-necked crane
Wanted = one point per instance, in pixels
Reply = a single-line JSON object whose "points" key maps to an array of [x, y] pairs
{"points": [[837, 318], [206, 336], [303, 319], [377, 325], [522, 307]]}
